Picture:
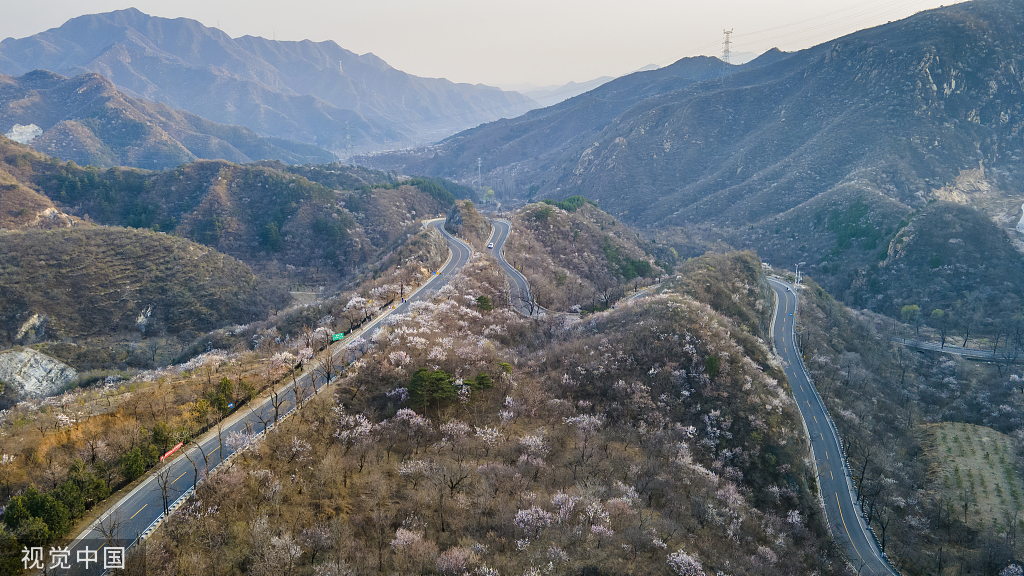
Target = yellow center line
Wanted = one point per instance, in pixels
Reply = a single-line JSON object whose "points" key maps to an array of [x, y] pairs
{"points": [[815, 418], [137, 513], [847, 529], [826, 454], [831, 474], [182, 474]]}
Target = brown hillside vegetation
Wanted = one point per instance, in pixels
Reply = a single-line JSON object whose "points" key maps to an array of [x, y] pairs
{"points": [[22, 207], [734, 284], [100, 282], [580, 259], [474, 228], [645, 439], [285, 226], [80, 446]]}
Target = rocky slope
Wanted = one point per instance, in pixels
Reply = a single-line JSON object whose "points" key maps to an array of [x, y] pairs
{"points": [[33, 373], [314, 92]]}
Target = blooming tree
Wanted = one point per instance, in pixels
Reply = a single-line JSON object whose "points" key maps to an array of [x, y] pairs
{"points": [[682, 564]]}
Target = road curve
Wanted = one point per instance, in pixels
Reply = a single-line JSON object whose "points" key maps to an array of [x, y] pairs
{"points": [[520, 288], [834, 482], [137, 513]]}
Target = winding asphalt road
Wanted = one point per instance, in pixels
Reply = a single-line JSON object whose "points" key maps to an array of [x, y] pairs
{"points": [[834, 482], [520, 288], [138, 513]]}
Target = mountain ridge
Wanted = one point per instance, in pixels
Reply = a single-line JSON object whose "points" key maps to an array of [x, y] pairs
{"points": [[313, 92], [85, 119], [760, 156]]}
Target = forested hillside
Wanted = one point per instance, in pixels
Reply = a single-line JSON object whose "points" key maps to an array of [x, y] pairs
{"points": [[577, 257], [80, 290], [287, 227], [895, 409], [639, 440]]}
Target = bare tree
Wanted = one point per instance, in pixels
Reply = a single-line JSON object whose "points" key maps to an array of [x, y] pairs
{"points": [[327, 367], [111, 526], [163, 480], [195, 469], [276, 400], [298, 391], [220, 444], [259, 416]]}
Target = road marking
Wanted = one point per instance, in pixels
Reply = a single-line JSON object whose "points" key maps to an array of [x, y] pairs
{"points": [[137, 513], [182, 474], [813, 416], [831, 474], [822, 436], [847, 529], [826, 454]]}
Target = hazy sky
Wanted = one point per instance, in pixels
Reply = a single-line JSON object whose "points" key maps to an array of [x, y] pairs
{"points": [[503, 42]]}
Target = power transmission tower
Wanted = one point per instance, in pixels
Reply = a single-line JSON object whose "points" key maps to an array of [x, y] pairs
{"points": [[478, 162], [727, 45]]}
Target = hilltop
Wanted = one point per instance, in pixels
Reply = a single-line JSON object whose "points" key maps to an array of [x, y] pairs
{"points": [[80, 290], [637, 441], [577, 257]]}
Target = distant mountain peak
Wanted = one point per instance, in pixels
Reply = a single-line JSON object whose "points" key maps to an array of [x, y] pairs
{"points": [[314, 92]]}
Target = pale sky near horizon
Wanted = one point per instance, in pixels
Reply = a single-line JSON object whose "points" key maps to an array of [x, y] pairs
{"points": [[506, 43]]}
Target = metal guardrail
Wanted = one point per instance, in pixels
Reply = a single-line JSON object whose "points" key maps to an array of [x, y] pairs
{"points": [[178, 502], [861, 520], [972, 353]]}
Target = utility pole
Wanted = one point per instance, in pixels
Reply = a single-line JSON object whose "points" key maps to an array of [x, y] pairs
{"points": [[478, 162], [727, 46]]}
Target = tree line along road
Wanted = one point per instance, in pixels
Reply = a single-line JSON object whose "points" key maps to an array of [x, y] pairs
{"points": [[134, 516], [835, 486]]}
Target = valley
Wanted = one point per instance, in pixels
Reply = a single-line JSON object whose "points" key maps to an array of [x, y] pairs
{"points": [[275, 307]]}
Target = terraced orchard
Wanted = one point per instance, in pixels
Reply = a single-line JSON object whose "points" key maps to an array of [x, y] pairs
{"points": [[976, 468]]}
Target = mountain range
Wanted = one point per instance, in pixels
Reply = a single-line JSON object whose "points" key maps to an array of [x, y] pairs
{"points": [[312, 92], [551, 95], [86, 120], [820, 156]]}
